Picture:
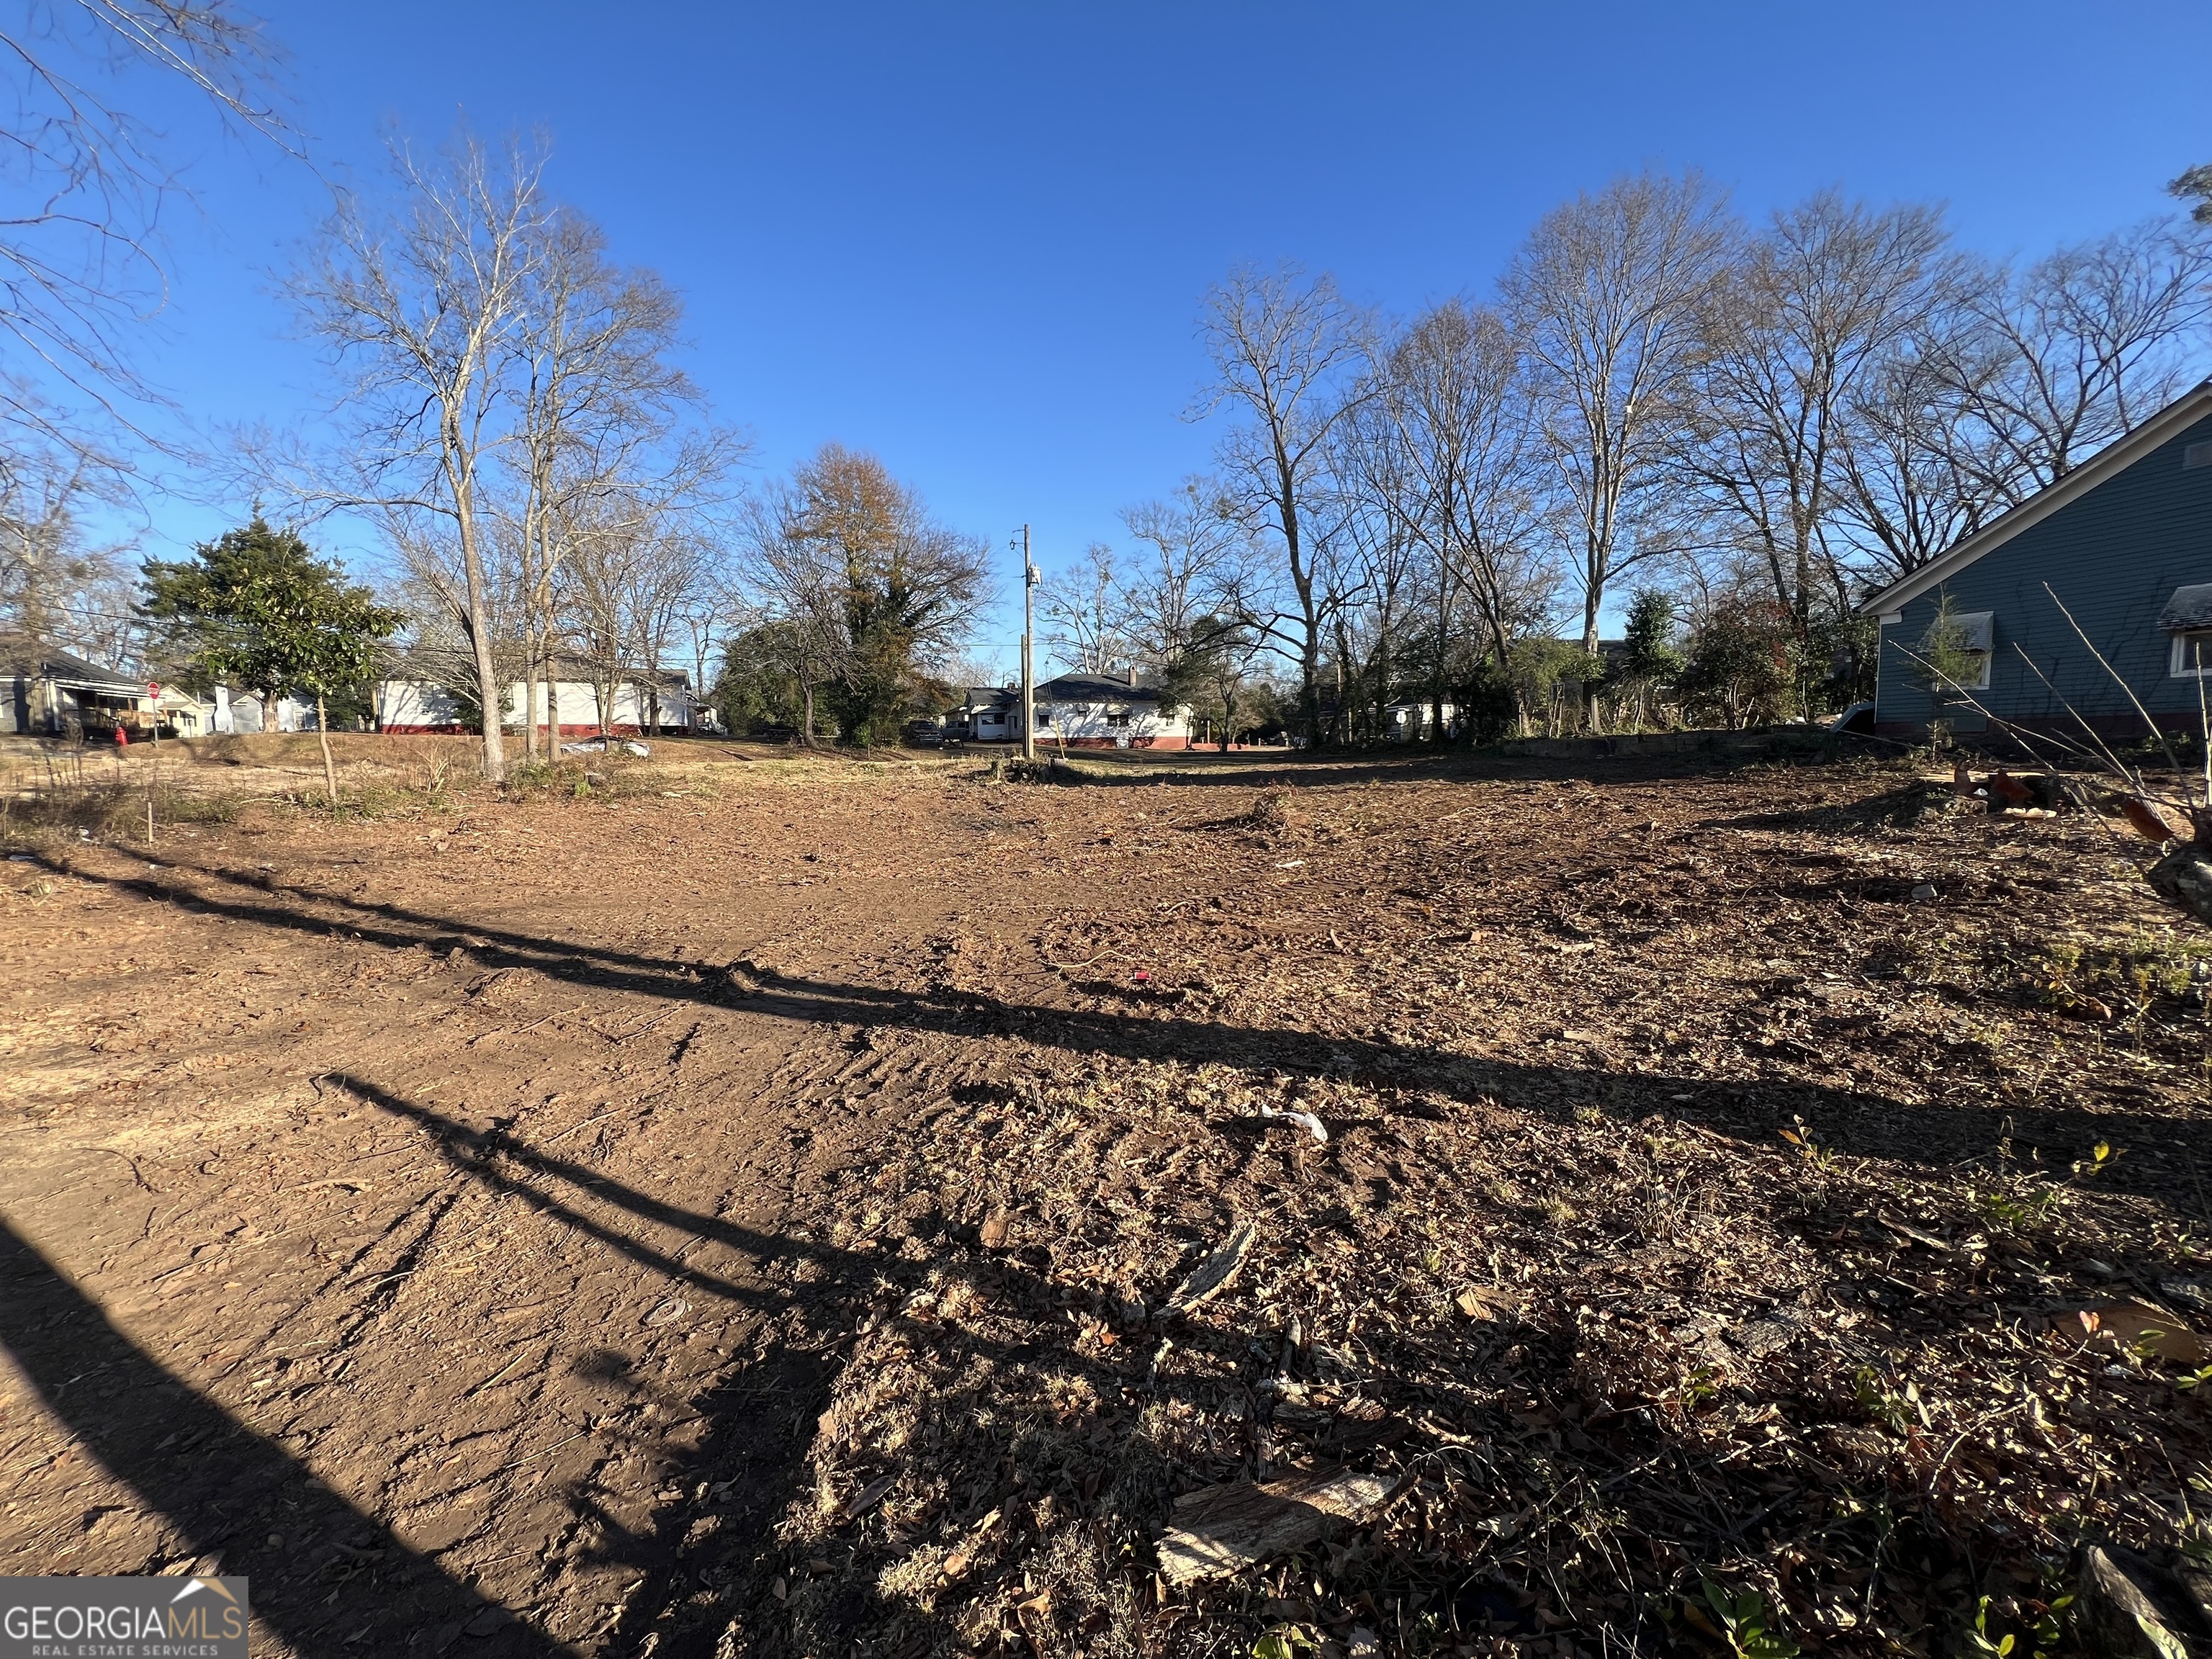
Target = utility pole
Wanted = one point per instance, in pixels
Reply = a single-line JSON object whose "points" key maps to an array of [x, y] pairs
{"points": [[1031, 578]]}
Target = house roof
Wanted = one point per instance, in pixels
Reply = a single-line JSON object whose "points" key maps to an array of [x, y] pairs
{"points": [[2107, 463], [576, 669], [1095, 688], [2191, 607], [21, 655]]}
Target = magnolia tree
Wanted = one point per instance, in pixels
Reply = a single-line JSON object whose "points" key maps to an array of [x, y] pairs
{"points": [[258, 608]]}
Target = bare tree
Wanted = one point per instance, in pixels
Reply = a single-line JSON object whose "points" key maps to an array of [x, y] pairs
{"points": [[1817, 304], [670, 578], [795, 582], [431, 585], [1286, 352], [420, 307], [1914, 469], [2067, 356], [596, 398], [56, 585], [1175, 594], [1376, 476], [80, 263], [599, 586], [1607, 298], [1459, 406], [1083, 610]]}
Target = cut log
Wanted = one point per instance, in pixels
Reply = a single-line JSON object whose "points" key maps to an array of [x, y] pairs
{"points": [[1220, 1529], [2183, 878], [2116, 1612], [1214, 1274]]}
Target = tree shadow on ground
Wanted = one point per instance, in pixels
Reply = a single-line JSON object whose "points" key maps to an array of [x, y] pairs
{"points": [[756, 1452], [2166, 1151], [1331, 768], [737, 1586], [339, 1579], [754, 1459]]}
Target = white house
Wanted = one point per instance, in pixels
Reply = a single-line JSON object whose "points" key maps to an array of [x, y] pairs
{"points": [[1083, 711], [570, 700], [247, 711], [1410, 722]]}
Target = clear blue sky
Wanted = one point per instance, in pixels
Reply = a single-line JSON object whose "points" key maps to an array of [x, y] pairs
{"points": [[973, 238]]}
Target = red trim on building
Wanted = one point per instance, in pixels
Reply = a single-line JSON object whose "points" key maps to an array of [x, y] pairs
{"points": [[616, 730], [1047, 739]]}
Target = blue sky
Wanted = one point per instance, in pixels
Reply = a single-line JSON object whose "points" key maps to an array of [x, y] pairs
{"points": [[973, 238]]}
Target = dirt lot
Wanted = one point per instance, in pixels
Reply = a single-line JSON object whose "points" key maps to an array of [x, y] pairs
{"points": [[737, 1208]]}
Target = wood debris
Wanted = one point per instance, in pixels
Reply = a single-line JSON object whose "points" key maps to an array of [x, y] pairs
{"points": [[1222, 1528]]}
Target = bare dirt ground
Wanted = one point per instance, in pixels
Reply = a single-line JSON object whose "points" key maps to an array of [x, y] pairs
{"points": [[738, 1209]]}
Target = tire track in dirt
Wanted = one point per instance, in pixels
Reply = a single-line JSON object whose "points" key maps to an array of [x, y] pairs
{"points": [[489, 1208]]}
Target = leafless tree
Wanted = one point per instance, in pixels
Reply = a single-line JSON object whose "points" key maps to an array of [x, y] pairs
{"points": [[87, 179], [1607, 298], [794, 582], [1178, 591], [1084, 614], [57, 585], [1913, 470], [420, 307], [1458, 405], [1286, 353], [2068, 355], [1817, 305], [597, 399], [1375, 475], [670, 579], [710, 610], [429, 582]]}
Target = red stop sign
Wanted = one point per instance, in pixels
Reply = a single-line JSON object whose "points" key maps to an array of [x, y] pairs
{"points": [[153, 688]]}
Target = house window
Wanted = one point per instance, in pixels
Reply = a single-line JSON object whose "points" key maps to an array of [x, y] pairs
{"points": [[1117, 717], [2196, 455], [2192, 655], [1975, 634]]}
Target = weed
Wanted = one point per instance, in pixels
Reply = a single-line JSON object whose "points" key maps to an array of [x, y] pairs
{"points": [[2102, 1156], [2023, 1206], [1978, 1642], [1897, 1409], [1747, 1624], [2048, 1628], [2131, 976], [1698, 1388], [1801, 1137]]}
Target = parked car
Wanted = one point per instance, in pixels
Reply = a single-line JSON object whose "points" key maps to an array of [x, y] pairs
{"points": [[927, 732]]}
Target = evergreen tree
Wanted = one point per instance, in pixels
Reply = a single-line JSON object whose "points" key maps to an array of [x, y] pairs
{"points": [[257, 607]]}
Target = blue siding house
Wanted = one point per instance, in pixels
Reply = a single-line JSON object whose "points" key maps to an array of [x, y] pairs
{"points": [[2125, 541]]}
